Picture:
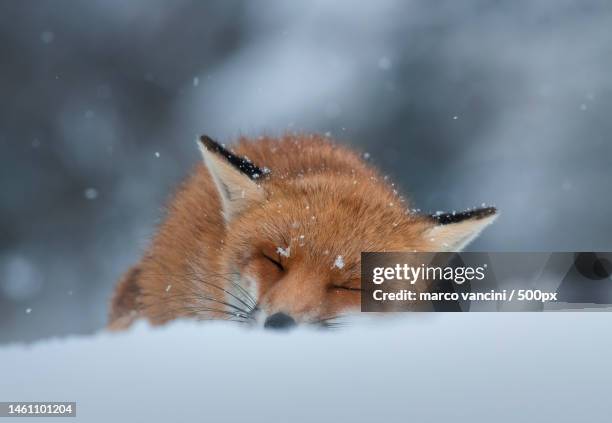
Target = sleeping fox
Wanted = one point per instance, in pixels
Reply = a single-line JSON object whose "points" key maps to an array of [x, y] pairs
{"points": [[270, 232]]}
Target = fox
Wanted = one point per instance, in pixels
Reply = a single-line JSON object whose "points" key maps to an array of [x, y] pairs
{"points": [[269, 232]]}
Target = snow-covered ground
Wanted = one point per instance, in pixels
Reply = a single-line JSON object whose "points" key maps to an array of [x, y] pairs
{"points": [[446, 367]]}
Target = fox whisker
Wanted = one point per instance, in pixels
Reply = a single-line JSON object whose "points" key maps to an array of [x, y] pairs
{"points": [[183, 301], [203, 279], [333, 322]]}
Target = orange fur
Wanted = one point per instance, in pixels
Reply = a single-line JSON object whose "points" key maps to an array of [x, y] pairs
{"points": [[321, 201]]}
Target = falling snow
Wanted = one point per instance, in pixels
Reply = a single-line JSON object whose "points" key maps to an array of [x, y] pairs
{"points": [[284, 252], [91, 193], [339, 262]]}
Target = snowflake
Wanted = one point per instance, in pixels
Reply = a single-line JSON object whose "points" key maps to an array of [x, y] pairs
{"points": [[339, 262], [91, 193], [284, 252]]}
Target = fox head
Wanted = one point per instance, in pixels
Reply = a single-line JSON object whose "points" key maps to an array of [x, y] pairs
{"points": [[273, 233], [293, 237]]}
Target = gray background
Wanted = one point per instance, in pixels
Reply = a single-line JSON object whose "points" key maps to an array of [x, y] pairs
{"points": [[506, 103]]}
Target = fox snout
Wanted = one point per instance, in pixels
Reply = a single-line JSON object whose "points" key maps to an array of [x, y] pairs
{"points": [[279, 321]]}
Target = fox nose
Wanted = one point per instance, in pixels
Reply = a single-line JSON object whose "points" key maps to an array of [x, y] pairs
{"points": [[279, 321]]}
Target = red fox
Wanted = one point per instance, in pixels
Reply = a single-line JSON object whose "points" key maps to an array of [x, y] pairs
{"points": [[271, 232]]}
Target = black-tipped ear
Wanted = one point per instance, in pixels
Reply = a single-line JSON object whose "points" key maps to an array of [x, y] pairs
{"points": [[454, 231], [476, 214], [240, 163], [234, 177]]}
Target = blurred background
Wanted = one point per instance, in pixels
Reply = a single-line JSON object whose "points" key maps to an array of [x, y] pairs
{"points": [[460, 103]]}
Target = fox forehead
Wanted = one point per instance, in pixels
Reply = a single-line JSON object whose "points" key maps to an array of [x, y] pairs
{"points": [[327, 223]]}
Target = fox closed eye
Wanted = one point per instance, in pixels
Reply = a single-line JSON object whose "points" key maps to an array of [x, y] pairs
{"points": [[276, 262], [345, 288]]}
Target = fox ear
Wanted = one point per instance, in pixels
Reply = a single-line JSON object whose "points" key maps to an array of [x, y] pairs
{"points": [[454, 231], [234, 177]]}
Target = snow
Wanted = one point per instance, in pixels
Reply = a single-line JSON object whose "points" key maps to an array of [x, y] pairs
{"points": [[505, 367], [339, 262], [285, 252], [91, 193]]}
